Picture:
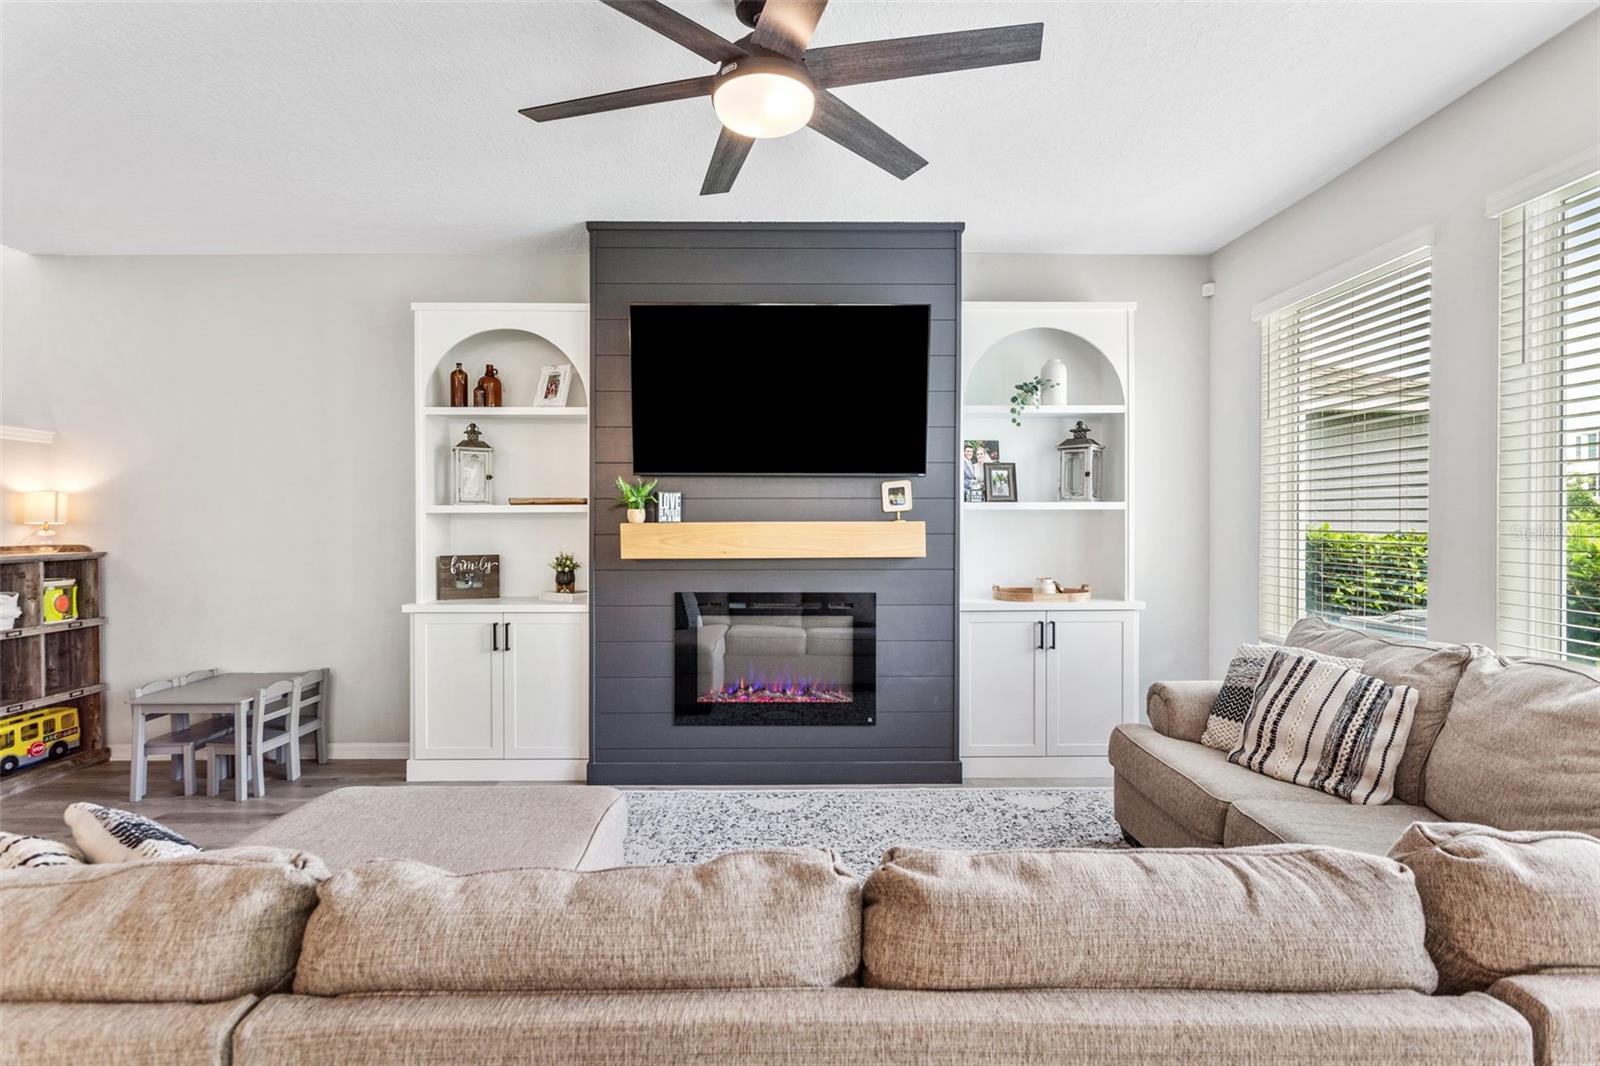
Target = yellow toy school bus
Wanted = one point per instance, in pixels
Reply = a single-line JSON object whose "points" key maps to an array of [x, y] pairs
{"points": [[46, 733]]}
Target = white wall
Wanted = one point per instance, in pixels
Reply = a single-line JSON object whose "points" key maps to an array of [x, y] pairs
{"points": [[1539, 111], [237, 435], [1170, 376]]}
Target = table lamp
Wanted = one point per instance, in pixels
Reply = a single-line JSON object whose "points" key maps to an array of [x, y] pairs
{"points": [[44, 509]]}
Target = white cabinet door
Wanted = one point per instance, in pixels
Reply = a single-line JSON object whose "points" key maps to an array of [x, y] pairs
{"points": [[1088, 659], [1002, 683], [547, 686], [455, 687]]}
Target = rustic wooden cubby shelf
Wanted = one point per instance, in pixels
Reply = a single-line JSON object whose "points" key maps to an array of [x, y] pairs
{"points": [[774, 540], [51, 664]]}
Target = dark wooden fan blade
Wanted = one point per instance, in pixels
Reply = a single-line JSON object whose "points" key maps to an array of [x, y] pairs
{"points": [[843, 124], [644, 94], [680, 28], [786, 26], [726, 160], [934, 53]]}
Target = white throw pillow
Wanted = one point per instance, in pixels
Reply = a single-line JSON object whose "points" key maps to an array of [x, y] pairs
{"points": [[18, 852], [106, 834], [1328, 727], [1239, 691]]}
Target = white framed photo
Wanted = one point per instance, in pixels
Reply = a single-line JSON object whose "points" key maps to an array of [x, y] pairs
{"points": [[554, 384], [896, 496]]}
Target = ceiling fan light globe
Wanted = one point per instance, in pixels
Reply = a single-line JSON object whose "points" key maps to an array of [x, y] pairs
{"points": [[763, 103]]}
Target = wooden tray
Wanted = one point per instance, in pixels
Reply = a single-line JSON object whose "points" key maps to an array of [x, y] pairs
{"points": [[1025, 594], [546, 501]]}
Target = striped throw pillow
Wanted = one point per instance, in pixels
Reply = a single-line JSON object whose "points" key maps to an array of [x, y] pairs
{"points": [[19, 851], [1239, 691], [1328, 727]]}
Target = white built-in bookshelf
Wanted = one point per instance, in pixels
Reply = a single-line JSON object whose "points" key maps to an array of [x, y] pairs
{"points": [[499, 687], [1043, 683]]}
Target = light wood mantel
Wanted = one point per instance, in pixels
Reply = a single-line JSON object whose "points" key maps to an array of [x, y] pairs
{"points": [[775, 540]]}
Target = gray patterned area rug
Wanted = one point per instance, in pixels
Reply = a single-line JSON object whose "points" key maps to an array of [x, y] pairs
{"points": [[693, 825]]}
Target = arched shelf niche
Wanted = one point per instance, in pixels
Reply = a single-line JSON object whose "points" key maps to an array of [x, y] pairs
{"points": [[1093, 379], [520, 355]]}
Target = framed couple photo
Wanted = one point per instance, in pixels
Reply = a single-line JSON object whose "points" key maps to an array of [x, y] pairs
{"points": [[984, 478]]}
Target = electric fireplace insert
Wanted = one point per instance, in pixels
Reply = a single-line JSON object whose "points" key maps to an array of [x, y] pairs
{"points": [[775, 658]]}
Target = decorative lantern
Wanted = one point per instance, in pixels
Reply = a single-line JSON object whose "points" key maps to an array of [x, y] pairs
{"points": [[472, 469], [1081, 462]]}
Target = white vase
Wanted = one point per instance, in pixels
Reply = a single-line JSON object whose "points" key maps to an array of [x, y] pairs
{"points": [[635, 515], [1054, 376]]}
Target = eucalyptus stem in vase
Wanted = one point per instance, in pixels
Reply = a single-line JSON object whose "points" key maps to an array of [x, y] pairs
{"points": [[1027, 395]]}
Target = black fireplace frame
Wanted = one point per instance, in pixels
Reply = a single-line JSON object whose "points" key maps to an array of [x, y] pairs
{"points": [[861, 607]]}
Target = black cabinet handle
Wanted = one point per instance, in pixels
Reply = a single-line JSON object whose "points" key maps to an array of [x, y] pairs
{"points": [[494, 630], [508, 636], [1052, 636], [1041, 635]]}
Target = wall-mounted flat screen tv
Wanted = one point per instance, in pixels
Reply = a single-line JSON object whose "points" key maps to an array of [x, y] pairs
{"points": [[760, 389]]}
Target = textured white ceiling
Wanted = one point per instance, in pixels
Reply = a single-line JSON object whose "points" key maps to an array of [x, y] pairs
{"points": [[372, 127]]}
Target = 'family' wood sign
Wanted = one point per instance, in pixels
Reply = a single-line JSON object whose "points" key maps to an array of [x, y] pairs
{"points": [[467, 577]]}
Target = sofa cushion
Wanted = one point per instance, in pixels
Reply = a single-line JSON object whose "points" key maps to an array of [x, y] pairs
{"points": [[1284, 919], [1193, 783], [1326, 727], [1225, 722], [123, 1034], [1521, 748], [205, 927], [485, 827], [1372, 830], [754, 919], [1564, 1011], [1504, 903], [874, 1027], [1431, 669], [1147, 822], [107, 834]]}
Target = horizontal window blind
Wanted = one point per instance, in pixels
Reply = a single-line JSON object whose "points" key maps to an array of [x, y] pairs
{"points": [[1549, 512], [1344, 453]]}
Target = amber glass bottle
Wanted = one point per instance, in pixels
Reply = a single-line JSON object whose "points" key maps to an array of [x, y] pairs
{"points": [[491, 386], [458, 387]]}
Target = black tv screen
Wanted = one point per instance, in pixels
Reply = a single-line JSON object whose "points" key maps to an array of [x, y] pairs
{"points": [[822, 389]]}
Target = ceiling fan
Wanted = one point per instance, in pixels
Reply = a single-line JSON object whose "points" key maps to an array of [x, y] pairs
{"points": [[769, 83]]}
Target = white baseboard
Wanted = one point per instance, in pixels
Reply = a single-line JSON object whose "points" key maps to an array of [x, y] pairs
{"points": [[1079, 769], [496, 769], [389, 749]]}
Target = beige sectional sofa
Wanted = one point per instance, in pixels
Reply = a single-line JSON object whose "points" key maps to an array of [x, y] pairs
{"points": [[1277, 955], [1508, 743]]}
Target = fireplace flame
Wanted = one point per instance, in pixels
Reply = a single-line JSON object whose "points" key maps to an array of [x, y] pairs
{"points": [[781, 689]]}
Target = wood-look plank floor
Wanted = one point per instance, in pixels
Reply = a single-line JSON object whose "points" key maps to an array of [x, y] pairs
{"points": [[221, 822]]}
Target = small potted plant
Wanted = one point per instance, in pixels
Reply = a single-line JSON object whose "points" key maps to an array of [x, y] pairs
{"points": [[566, 568], [1027, 395], [634, 497]]}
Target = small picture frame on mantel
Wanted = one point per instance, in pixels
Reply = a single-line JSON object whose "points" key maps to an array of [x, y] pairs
{"points": [[467, 577]]}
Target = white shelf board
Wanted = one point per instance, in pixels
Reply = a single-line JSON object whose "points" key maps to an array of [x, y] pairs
{"points": [[986, 410], [972, 604], [472, 414], [506, 604], [1049, 505], [506, 508]]}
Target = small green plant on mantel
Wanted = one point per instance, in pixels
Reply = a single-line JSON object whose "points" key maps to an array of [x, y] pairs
{"points": [[1026, 395], [634, 497]]}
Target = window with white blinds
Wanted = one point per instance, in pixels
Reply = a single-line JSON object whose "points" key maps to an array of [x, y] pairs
{"points": [[1549, 521], [1344, 453]]}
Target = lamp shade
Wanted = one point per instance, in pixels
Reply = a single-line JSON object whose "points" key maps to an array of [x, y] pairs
{"points": [[44, 508]]}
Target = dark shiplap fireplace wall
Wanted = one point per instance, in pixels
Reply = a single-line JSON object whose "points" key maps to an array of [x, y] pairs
{"points": [[634, 739]]}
